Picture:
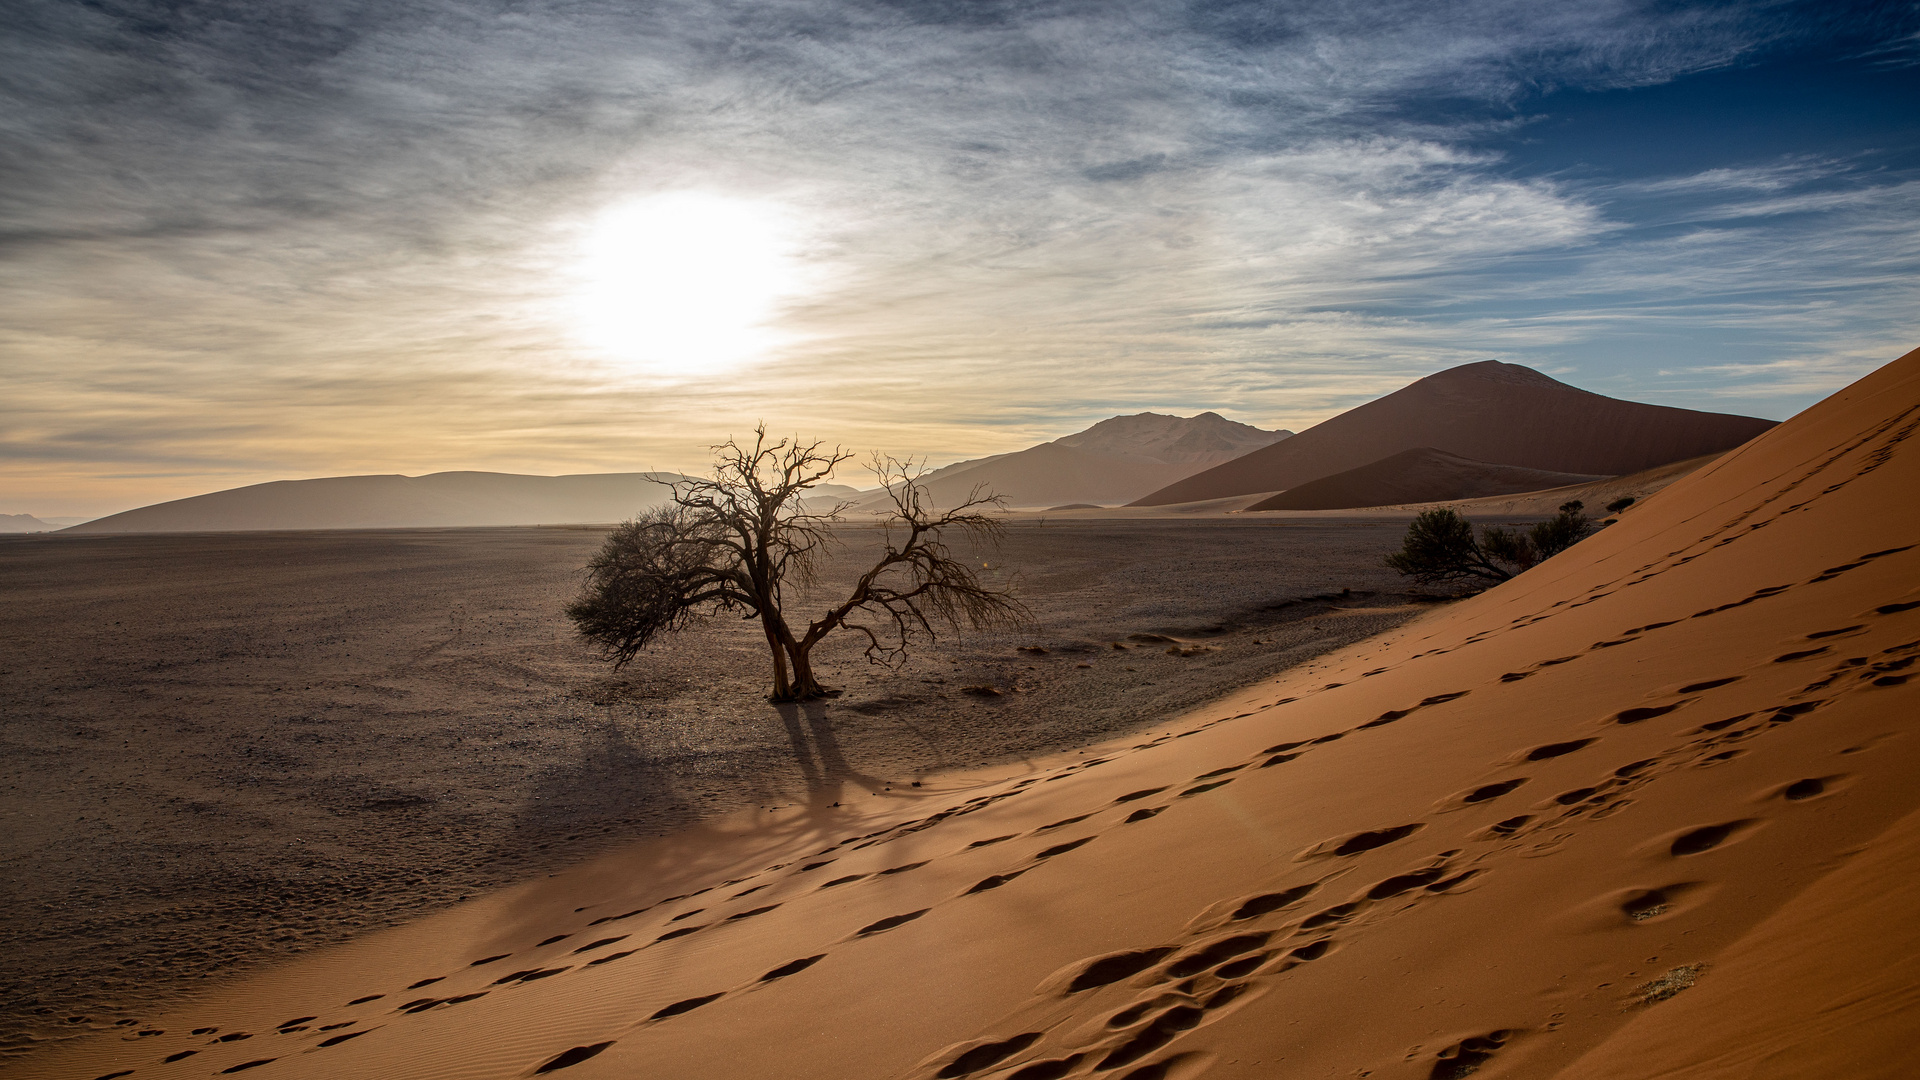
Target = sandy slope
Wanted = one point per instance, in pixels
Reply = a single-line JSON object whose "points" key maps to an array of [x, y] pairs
{"points": [[1506, 839], [1420, 475], [1595, 494]]}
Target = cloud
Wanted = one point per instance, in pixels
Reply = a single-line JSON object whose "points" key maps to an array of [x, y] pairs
{"points": [[328, 237]]}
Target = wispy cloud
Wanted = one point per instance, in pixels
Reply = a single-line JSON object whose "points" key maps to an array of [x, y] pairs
{"points": [[292, 239]]}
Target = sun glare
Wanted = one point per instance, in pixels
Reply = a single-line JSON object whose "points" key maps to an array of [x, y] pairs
{"points": [[685, 284]]}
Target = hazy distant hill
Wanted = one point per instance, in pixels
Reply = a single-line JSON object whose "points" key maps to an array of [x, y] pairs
{"points": [[1114, 461], [1504, 414], [441, 500], [23, 523], [1417, 476]]}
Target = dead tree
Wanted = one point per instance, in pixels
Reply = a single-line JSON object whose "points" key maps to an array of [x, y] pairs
{"points": [[736, 542], [917, 584]]}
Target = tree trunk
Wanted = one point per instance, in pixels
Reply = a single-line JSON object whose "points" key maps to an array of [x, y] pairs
{"points": [[782, 689], [805, 687]]}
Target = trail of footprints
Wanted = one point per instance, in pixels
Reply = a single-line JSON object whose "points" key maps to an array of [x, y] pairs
{"points": [[1231, 950]]}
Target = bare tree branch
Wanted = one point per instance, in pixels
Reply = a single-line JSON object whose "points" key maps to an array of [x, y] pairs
{"points": [[736, 540]]}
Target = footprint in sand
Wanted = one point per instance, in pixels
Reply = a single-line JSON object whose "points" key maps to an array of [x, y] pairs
{"points": [[987, 1055], [1465, 1057], [1358, 843], [1554, 750], [338, 1039], [1481, 794], [1812, 787], [1648, 712], [1266, 903], [1062, 849], [1649, 904], [1203, 788], [889, 923], [792, 967], [597, 922], [1706, 838], [572, 1057], [1193, 963], [685, 1006]]}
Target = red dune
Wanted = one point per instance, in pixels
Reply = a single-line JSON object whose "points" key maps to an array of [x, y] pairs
{"points": [[1493, 412], [1646, 810], [1416, 476]]}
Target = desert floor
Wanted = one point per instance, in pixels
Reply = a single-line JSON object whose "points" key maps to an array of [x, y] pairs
{"points": [[220, 750]]}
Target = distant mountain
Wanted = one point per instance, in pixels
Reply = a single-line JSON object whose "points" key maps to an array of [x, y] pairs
{"points": [[1503, 414], [438, 500], [1206, 439], [1115, 460], [23, 523], [1417, 476]]}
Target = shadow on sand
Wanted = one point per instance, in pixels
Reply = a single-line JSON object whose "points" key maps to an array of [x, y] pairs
{"points": [[620, 779], [817, 750]]}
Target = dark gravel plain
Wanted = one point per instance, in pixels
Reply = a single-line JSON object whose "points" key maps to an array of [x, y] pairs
{"points": [[275, 741]]}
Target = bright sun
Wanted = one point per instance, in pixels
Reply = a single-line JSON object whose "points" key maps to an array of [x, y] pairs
{"points": [[685, 284]]}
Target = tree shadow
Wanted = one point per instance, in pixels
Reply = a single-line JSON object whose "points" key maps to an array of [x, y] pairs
{"points": [[816, 749], [619, 785], [615, 782], [619, 779]]}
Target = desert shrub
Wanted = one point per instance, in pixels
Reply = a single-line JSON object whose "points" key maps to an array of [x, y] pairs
{"points": [[1561, 531], [1440, 547]]}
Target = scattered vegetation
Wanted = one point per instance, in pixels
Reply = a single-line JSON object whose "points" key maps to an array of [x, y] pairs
{"points": [[1666, 986], [1618, 505], [737, 541], [1440, 547]]}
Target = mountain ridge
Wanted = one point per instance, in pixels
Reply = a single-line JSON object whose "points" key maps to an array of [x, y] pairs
{"points": [[1490, 411], [459, 499], [1113, 461], [24, 523]]}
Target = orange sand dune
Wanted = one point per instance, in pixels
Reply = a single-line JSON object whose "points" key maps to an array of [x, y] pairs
{"points": [[1644, 811]]}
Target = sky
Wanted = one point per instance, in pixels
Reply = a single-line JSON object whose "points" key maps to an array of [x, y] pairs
{"points": [[245, 241]]}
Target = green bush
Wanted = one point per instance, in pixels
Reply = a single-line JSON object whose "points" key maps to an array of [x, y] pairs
{"points": [[1440, 547]]}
